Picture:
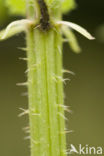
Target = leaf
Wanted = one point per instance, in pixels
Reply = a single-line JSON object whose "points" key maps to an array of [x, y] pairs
{"points": [[3, 12], [68, 5], [72, 40], [16, 7], [15, 28], [78, 28]]}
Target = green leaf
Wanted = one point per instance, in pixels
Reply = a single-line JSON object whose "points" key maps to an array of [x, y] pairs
{"points": [[72, 40], [78, 28], [15, 28], [68, 5], [16, 7], [3, 12]]}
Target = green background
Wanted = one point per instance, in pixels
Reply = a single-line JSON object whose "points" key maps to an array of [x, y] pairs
{"points": [[84, 93]]}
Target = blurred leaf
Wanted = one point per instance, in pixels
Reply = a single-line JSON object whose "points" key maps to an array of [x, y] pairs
{"points": [[72, 40], [16, 7], [3, 11], [100, 33], [68, 5]]}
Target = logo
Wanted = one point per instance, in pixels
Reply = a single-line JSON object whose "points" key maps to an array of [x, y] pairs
{"points": [[83, 150]]}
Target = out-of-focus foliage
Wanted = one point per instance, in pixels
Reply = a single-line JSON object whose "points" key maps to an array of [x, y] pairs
{"points": [[3, 12], [19, 7], [68, 5], [100, 33], [16, 7], [64, 5]]}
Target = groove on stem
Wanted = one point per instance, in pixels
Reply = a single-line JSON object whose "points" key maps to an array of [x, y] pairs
{"points": [[45, 94], [44, 59]]}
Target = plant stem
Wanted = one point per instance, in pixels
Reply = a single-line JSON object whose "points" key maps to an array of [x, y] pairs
{"points": [[45, 89]]}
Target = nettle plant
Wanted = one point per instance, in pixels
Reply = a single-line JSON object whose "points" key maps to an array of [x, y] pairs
{"points": [[44, 31]]}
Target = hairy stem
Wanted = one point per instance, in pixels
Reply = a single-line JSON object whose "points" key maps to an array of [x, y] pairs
{"points": [[45, 88]]}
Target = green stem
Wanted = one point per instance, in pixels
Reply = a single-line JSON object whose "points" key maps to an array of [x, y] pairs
{"points": [[45, 87]]}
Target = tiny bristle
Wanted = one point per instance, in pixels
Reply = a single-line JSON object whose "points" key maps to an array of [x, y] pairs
{"points": [[66, 108], [22, 49], [24, 94], [66, 79], [27, 137], [26, 128], [62, 115], [24, 112], [24, 59], [22, 84], [35, 114], [35, 142], [57, 78], [68, 71], [27, 131], [32, 68], [27, 70], [70, 131]]}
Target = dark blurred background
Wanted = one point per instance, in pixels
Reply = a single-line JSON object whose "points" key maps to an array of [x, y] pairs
{"points": [[84, 93]]}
